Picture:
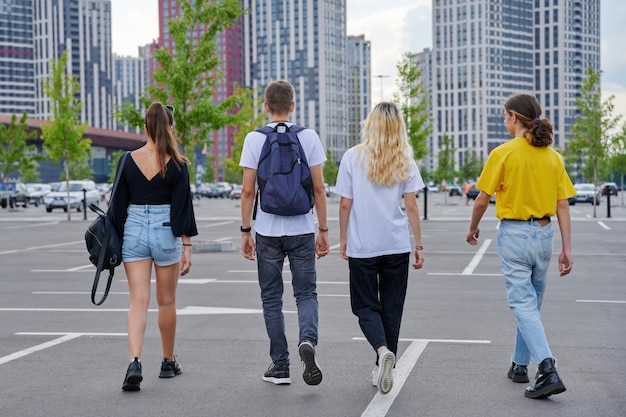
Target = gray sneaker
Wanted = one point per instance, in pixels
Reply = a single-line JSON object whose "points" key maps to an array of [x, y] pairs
{"points": [[312, 373]]}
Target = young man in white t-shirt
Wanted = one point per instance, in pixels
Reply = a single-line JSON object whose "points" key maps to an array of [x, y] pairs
{"points": [[277, 236]]}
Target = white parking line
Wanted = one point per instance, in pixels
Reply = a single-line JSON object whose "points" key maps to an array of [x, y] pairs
{"points": [[469, 270], [602, 301], [602, 224], [380, 404]]}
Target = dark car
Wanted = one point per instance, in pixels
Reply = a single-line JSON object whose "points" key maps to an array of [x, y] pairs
{"points": [[609, 188], [455, 190], [13, 194], [473, 193]]}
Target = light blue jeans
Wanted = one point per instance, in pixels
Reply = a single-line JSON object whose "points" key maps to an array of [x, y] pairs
{"points": [[525, 249], [270, 254]]}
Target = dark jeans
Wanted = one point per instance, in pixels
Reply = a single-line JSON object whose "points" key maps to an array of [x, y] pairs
{"points": [[377, 293], [270, 254]]}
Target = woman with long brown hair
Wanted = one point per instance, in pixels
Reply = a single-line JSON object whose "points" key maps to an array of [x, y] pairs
{"points": [[153, 211]]}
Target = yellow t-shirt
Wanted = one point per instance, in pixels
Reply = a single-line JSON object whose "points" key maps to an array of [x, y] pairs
{"points": [[528, 181]]}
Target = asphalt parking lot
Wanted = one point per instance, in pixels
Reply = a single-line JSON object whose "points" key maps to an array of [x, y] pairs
{"points": [[62, 356]]}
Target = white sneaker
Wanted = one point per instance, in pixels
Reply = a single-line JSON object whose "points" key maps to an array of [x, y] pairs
{"points": [[386, 361], [375, 376]]}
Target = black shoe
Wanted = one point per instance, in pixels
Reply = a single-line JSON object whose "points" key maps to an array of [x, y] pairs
{"points": [[277, 374], [547, 381], [518, 373], [312, 373], [133, 376], [170, 368]]}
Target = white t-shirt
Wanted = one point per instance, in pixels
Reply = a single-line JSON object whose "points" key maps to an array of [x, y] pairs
{"points": [[273, 225], [377, 225]]}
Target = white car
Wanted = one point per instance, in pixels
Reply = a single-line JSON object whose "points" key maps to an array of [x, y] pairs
{"points": [[37, 192], [58, 198]]}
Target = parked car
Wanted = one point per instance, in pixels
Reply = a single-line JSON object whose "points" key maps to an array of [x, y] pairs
{"points": [[585, 193], [235, 193], [58, 198], [37, 192], [455, 190], [223, 189], [473, 193], [13, 194], [609, 188]]}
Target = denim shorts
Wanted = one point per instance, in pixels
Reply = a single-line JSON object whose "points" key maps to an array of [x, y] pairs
{"points": [[148, 235]]}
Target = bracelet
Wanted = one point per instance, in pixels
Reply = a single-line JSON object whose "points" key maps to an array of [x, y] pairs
{"points": [[323, 230], [187, 244], [419, 247], [245, 229]]}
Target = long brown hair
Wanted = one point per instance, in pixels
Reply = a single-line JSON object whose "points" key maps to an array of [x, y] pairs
{"points": [[527, 109], [159, 126]]}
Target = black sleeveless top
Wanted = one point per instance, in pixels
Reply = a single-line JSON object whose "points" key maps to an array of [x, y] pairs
{"points": [[173, 189]]}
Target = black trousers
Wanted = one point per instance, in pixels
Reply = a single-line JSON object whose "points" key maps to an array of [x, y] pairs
{"points": [[377, 293]]}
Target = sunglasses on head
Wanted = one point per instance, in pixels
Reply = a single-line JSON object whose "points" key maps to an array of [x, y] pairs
{"points": [[170, 108]]}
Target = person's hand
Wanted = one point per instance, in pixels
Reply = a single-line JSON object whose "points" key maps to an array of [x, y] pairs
{"points": [[419, 259], [472, 236], [342, 250], [322, 246], [248, 249], [565, 263], [185, 261]]}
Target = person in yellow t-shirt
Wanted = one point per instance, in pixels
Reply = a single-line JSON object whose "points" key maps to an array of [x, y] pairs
{"points": [[532, 186]]}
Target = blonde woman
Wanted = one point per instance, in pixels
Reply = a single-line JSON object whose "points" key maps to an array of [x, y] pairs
{"points": [[374, 177], [152, 209]]}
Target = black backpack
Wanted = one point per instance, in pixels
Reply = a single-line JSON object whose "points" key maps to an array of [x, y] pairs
{"points": [[103, 243], [283, 174]]}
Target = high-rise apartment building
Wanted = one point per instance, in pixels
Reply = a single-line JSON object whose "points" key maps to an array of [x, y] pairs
{"points": [[130, 78], [17, 93], [229, 73], [359, 85], [486, 50], [303, 42], [83, 29]]}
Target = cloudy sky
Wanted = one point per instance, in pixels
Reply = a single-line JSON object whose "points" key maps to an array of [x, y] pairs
{"points": [[393, 27]]}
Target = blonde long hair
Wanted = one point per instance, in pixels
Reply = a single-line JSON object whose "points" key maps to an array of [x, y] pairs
{"points": [[386, 144], [159, 125]]}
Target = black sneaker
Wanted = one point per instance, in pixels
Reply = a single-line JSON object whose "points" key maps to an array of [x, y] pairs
{"points": [[277, 374], [170, 368], [133, 376], [312, 373], [518, 373]]}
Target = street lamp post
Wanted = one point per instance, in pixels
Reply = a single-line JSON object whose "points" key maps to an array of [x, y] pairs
{"points": [[381, 84]]}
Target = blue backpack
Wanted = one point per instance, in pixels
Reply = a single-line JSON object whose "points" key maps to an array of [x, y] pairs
{"points": [[283, 174]]}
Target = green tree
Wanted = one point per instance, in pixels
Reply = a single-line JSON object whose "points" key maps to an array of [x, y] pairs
{"points": [[618, 158], [187, 78], [79, 170], [445, 163], [472, 166], [63, 132], [330, 169], [592, 131], [414, 102], [115, 157], [209, 172], [15, 153], [251, 119]]}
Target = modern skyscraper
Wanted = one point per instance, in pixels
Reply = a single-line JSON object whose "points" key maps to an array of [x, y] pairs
{"points": [[83, 28], [129, 83], [359, 85], [17, 94], [486, 50], [303, 42]]}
